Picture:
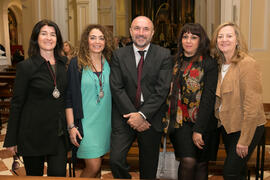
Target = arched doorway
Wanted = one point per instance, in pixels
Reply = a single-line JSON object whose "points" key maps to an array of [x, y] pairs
{"points": [[16, 7], [15, 31]]}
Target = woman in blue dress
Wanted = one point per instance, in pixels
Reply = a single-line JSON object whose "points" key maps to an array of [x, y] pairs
{"points": [[88, 100]]}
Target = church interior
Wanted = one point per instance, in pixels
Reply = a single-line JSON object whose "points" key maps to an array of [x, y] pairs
{"points": [[17, 18]]}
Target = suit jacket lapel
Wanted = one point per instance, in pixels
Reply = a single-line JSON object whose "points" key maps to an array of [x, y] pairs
{"points": [[131, 63]]}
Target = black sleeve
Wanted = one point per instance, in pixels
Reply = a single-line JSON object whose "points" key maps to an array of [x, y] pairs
{"points": [[119, 94], [23, 73], [205, 119], [70, 79]]}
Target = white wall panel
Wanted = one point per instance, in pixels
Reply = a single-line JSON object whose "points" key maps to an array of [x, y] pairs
{"points": [[258, 25]]}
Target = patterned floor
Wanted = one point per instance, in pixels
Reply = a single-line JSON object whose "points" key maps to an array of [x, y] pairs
{"points": [[6, 161]]}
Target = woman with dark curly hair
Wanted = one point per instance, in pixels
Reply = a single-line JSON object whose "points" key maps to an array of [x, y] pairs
{"points": [[88, 100], [192, 103]]}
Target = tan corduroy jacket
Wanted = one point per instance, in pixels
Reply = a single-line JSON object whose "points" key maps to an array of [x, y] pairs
{"points": [[241, 97]]}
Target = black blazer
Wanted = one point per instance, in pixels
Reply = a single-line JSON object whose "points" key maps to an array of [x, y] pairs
{"points": [[155, 84], [37, 119], [73, 93], [206, 120]]}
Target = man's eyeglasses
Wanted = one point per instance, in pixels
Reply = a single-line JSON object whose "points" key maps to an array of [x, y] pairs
{"points": [[16, 164]]}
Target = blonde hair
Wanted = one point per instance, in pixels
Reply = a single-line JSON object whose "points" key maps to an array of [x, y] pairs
{"points": [[240, 50], [84, 59], [72, 52]]}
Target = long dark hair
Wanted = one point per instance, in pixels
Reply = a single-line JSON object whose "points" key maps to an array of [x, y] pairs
{"points": [[33, 43], [204, 44]]}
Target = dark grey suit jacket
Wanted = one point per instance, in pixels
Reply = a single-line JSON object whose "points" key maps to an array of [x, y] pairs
{"points": [[155, 84]]}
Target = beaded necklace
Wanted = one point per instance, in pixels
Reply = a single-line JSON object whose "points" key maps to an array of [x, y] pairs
{"points": [[100, 94]]}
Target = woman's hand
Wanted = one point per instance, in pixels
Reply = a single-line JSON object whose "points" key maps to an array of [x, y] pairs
{"points": [[241, 150], [12, 149], [198, 140], [73, 133]]}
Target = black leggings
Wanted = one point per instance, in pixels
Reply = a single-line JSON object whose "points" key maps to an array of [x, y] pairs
{"points": [[34, 165], [190, 169], [235, 167]]}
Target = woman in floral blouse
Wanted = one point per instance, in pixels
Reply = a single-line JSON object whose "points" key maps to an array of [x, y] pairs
{"points": [[192, 100]]}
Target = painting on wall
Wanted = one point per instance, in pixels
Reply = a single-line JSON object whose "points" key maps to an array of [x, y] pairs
{"points": [[13, 28], [168, 17]]}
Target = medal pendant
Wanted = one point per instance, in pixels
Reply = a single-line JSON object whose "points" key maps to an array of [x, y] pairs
{"points": [[56, 93], [101, 94]]}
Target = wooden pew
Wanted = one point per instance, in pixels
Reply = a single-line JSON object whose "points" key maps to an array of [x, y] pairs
{"points": [[7, 79], [7, 70], [3, 177], [6, 91], [267, 126]]}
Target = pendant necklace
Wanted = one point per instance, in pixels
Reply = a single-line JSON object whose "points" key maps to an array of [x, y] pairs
{"points": [[100, 94], [56, 92]]}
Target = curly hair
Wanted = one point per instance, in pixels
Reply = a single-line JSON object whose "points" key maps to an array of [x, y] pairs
{"points": [[240, 50], [33, 49], [204, 44], [84, 59]]}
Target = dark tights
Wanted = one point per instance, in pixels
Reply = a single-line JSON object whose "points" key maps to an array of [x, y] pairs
{"points": [[190, 169]]}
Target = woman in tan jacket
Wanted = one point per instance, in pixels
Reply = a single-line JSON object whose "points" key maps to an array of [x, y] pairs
{"points": [[239, 105]]}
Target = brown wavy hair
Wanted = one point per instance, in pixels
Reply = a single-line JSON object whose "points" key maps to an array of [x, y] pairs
{"points": [[240, 50], [84, 59]]}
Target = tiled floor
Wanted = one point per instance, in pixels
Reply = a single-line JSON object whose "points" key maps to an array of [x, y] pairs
{"points": [[6, 163]]}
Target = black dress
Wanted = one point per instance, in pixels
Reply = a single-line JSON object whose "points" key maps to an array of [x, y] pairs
{"points": [[205, 123]]}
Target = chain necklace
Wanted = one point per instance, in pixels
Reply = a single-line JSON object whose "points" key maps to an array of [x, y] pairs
{"points": [[56, 92], [100, 94]]}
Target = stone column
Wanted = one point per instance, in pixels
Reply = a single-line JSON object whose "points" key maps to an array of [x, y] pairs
{"points": [[230, 11], [87, 13], [61, 17]]}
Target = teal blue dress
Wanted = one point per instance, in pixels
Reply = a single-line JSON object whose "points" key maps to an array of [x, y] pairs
{"points": [[97, 115]]}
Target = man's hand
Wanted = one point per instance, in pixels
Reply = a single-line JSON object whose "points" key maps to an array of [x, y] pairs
{"points": [[144, 126], [135, 120]]}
